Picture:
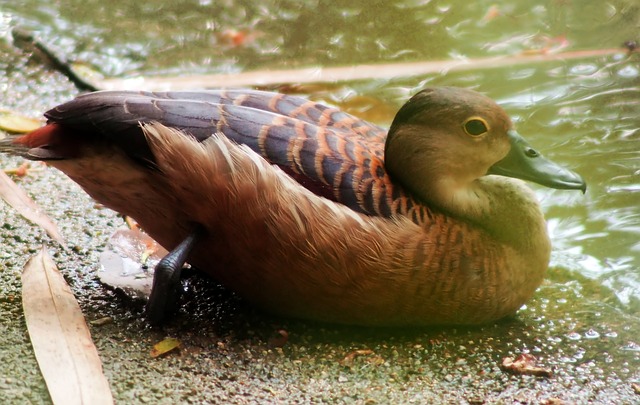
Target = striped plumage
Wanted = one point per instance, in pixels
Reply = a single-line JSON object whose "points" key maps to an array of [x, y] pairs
{"points": [[336, 235], [335, 154]]}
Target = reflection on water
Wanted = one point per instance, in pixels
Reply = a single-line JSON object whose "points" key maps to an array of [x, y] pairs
{"points": [[583, 113]]}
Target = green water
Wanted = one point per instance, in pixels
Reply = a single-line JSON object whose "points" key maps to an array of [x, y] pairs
{"points": [[584, 113]]}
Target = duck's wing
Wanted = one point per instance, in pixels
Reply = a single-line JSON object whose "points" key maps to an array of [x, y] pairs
{"points": [[116, 114], [282, 104], [331, 153]]}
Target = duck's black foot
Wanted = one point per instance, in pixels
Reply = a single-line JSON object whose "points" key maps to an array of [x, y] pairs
{"points": [[166, 288]]}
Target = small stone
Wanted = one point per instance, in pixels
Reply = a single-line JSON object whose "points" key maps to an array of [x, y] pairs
{"points": [[524, 364]]}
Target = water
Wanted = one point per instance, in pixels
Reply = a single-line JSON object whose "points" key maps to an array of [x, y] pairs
{"points": [[584, 113]]}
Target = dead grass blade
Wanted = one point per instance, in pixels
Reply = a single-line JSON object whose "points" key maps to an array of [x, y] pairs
{"points": [[60, 337], [344, 73]]}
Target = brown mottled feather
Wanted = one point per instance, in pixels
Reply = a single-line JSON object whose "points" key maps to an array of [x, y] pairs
{"points": [[351, 268]]}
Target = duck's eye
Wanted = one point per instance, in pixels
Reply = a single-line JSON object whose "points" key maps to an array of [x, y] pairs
{"points": [[475, 126], [530, 152]]}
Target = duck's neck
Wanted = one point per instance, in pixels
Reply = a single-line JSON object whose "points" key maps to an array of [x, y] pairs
{"points": [[506, 208]]}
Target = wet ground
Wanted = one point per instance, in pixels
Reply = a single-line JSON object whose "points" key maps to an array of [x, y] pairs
{"points": [[582, 323]]}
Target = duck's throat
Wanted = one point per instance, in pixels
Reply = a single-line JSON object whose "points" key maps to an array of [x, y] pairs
{"points": [[506, 208]]}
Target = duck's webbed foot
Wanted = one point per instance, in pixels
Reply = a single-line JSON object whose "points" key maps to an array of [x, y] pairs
{"points": [[166, 288]]}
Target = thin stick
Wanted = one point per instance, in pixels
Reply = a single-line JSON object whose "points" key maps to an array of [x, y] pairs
{"points": [[348, 73], [26, 39]]}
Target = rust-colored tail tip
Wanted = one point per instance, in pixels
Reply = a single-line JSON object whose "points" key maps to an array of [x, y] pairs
{"points": [[50, 142], [40, 137]]}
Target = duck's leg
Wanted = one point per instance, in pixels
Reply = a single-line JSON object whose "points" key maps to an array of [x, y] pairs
{"points": [[165, 290]]}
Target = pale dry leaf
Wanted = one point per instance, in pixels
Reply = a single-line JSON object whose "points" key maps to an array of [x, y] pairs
{"points": [[20, 201], [11, 121], [128, 261], [61, 340], [165, 346]]}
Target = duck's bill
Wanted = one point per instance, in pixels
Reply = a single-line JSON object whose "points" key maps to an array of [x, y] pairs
{"points": [[523, 162]]}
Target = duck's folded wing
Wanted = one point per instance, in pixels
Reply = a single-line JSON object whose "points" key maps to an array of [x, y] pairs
{"points": [[282, 104], [331, 153]]}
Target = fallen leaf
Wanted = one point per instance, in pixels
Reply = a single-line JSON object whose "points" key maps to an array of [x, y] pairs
{"points": [[20, 201], [349, 358], [16, 123], [106, 320], [128, 261], [524, 364], [165, 346], [61, 340], [553, 401]]}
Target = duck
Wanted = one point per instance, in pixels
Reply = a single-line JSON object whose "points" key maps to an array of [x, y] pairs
{"points": [[309, 212]]}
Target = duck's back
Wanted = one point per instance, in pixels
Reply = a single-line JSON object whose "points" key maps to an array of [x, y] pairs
{"points": [[332, 153]]}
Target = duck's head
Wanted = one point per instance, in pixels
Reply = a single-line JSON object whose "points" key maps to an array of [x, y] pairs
{"points": [[445, 138]]}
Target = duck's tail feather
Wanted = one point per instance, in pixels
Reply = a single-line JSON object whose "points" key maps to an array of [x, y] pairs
{"points": [[49, 142]]}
